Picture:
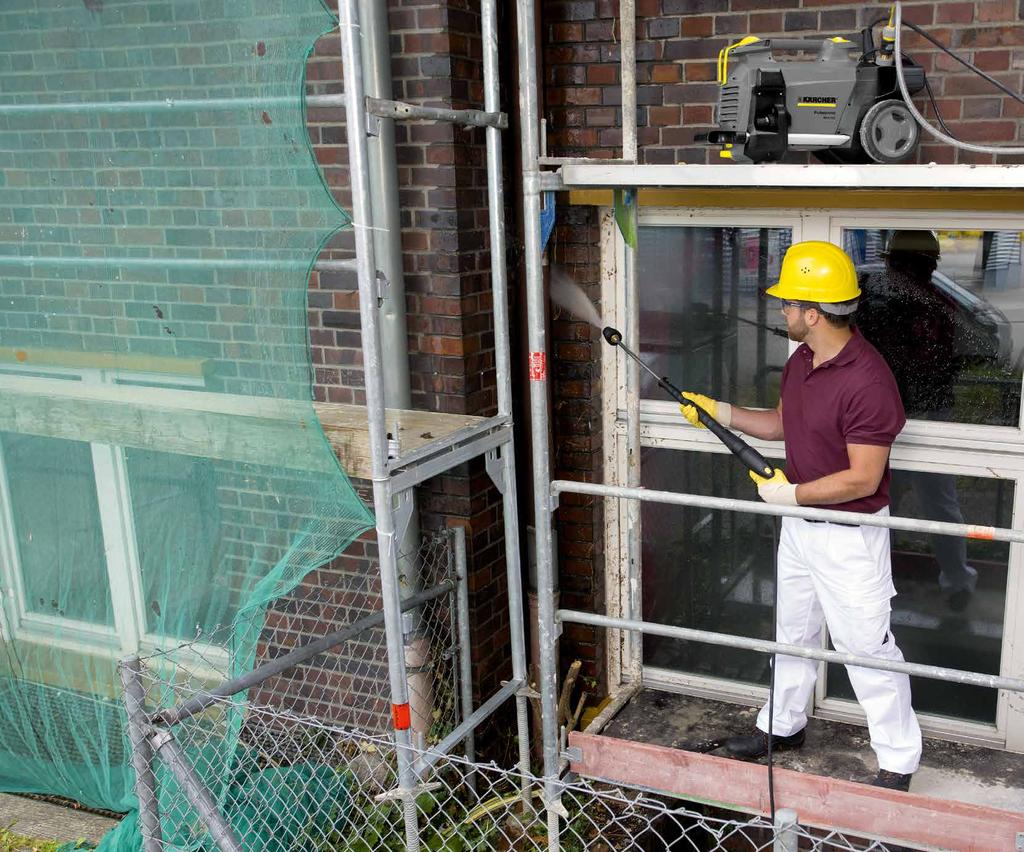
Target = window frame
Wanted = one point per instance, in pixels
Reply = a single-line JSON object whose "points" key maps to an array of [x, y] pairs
{"points": [[110, 472], [968, 449]]}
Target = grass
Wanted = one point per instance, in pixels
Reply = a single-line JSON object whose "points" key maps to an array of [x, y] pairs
{"points": [[12, 842]]}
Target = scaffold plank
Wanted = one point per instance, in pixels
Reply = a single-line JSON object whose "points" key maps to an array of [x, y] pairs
{"points": [[832, 803], [230, 427]]}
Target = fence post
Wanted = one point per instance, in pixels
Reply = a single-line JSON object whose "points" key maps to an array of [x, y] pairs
{"points": [[465, 655], [142, 754], [171, 753], [787, 838]]}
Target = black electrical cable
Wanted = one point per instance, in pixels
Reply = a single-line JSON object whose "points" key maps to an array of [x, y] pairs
{"points": [[1015, 95], [927, 84], [771, 664], [935, 109]]}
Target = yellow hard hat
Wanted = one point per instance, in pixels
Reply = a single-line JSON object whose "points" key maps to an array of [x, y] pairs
{"points": [[816, 271]]}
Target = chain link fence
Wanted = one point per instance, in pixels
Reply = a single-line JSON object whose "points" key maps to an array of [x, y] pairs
{"points": [[294, 782], [306, 760]]}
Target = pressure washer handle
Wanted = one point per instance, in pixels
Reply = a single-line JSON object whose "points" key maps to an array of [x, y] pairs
{"points": [[753, 460]]}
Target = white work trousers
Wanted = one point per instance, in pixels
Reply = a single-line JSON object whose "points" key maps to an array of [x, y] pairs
{"points": [[841, 576]]}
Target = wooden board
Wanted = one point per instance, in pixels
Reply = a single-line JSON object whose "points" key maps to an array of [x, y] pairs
{"points": [[347, 432], [130, 362], [256, 430], [857, 809]]}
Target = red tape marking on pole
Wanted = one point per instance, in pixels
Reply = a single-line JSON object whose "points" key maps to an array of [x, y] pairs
{"points": [[401, 716], [986, 533], [538, 366]]}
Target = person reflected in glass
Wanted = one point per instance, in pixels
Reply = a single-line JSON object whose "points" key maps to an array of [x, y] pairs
{"points": [[839, 412], [915, 328]]}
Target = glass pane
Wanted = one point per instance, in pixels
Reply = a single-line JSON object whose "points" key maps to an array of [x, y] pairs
{"points": [[177, 521], [937, 305], [703, 569], [704, 322], [57, 527], [951, 592]]}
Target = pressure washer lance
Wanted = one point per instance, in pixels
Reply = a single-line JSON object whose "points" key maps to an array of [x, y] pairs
{"points": [[754, 461]]}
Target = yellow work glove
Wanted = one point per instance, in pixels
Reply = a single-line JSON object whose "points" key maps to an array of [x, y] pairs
{"points": [[777, 490], [721, 411]]}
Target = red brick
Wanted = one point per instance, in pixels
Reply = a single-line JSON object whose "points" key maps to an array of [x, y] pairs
{"points": [[567, 32], [985, 131], [666, 73], [992, 60], [997, 10], [697, 25], [765, 23], [602, 75], [954, 13], [662, 116], [700, 71], [699, 114]]}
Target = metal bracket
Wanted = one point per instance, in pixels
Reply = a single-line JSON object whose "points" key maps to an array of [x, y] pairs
{"points": [[159, 738], [373, 124], [553, 502], [574, 754], [495, 469], [403, 506], [398, 794], [383, 287], [1020, 841], [524, 691], [557, 807]]}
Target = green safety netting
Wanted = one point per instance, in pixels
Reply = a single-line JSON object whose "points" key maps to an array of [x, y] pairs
{"points": [[163, 476]]}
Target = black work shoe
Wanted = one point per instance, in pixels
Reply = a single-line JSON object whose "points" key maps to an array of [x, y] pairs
{"points": [[959, 599], [755, 745], [892, 780]]}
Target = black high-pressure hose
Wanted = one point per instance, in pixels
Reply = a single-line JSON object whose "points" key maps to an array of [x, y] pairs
{"points": [[756, 463], [751, 458]]}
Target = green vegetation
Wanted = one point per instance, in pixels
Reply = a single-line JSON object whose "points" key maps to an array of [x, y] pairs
{"points": [[12, 842]]}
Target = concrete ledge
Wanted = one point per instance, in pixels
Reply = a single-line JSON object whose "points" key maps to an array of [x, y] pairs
{"points": [[47, 821]]}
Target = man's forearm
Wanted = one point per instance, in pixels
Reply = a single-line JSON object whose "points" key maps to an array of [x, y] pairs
{"points": [[838, 487], [765, 424]]}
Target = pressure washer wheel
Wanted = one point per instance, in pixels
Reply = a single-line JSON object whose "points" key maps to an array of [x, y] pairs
{"points": [[889, 133]]}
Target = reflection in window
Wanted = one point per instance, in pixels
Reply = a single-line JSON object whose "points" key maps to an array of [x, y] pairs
{"points": [[933, 304], [704, 569], [177, 518], [951, 593], [56, 520], [703, 319]]}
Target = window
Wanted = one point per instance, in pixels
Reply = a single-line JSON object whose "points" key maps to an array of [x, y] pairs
{"points": [[702, 319], [704, 324], [934, 304], [77, 577]]}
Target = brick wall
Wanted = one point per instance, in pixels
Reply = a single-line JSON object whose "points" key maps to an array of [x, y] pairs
{"points": [[436, 60], [235, 184], [578, 446], [679, 40], [678, 43]]}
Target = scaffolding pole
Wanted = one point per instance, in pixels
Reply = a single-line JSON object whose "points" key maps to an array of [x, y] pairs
{"points": [[505, 478], [538, 377], [497, 448], [387, 545]]}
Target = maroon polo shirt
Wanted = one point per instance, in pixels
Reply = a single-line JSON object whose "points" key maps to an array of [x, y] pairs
{"points": [[851, 399]]}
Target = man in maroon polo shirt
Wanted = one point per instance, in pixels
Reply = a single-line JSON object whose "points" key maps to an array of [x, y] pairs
{"points": [[839, 413]]}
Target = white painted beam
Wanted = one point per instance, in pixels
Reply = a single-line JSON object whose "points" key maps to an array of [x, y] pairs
{"points": [[776, 175]]}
